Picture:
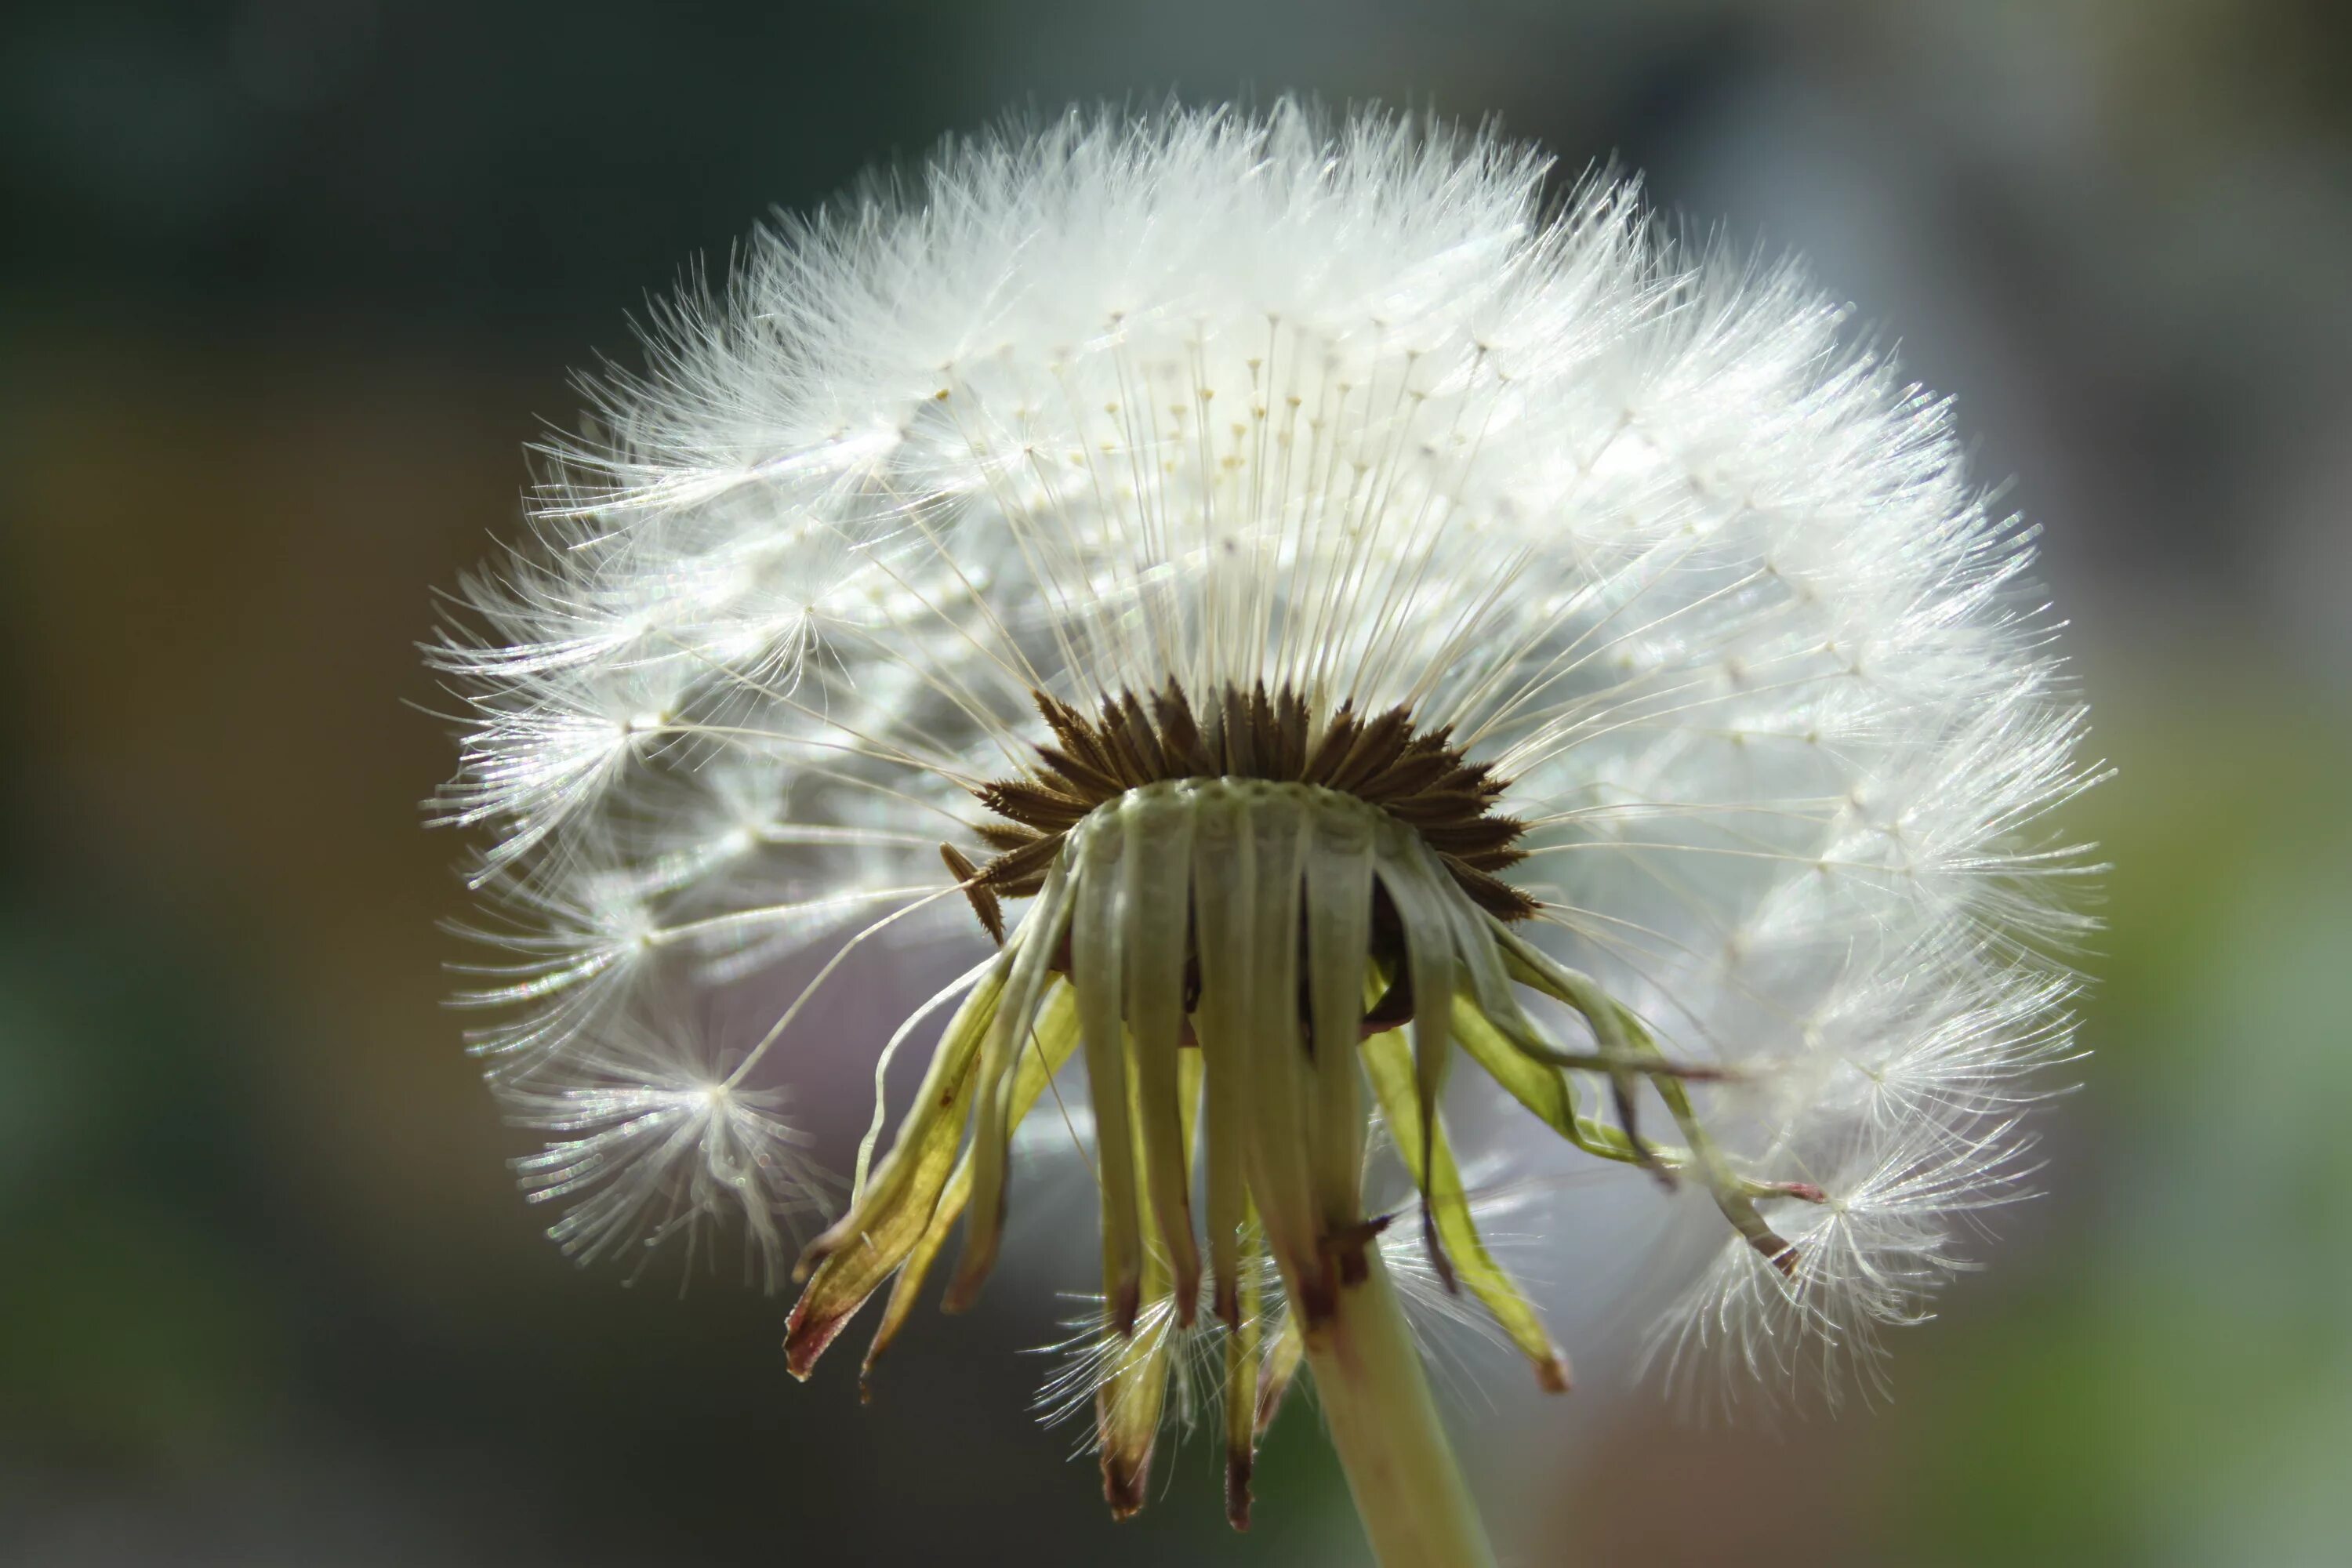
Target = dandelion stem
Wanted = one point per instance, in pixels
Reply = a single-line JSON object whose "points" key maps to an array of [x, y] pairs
{"points": [[1384, 1423]]}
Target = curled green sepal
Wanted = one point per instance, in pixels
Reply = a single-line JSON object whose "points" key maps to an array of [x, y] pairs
{"points": [[1244, 1350], [1056, 1038], [1624, 1037], [850, 1260], [1133, 1394], [1389, 1065], [1283, 1360], [1544, 1089], [1030, 958]]}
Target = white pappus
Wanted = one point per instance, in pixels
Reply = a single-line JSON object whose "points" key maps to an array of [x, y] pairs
{"points": [[984, 507]]}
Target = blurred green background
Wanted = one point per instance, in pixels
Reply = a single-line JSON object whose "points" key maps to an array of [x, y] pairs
{"points": [[285, 285]]}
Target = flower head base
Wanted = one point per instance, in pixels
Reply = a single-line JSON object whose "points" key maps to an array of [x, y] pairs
{"points": [[1341, 613], [1212, 931], [1417, 778]]}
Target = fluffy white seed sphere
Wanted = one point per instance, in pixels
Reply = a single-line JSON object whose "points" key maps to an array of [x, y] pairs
{"points": [[1337, 407]]}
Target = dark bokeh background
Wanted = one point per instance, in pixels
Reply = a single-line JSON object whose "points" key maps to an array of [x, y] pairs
{"points": [[285, 285]]}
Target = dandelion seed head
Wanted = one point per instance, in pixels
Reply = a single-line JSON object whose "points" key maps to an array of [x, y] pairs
{"points": [[1563, 646]]}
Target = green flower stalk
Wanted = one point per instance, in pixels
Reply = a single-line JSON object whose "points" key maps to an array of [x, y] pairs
{"points": [[1322, 625]]}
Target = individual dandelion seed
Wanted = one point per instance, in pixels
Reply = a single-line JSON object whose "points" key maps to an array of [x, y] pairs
{"points": [[1309, 611], [653, 1143]]}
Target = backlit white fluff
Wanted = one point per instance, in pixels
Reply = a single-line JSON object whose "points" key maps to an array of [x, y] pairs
{"points": [[1335, 404], [651, 1141]]}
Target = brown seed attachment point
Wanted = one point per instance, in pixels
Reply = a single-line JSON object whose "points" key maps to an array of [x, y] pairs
{"points": [[985, 903], [1420, 778]]}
